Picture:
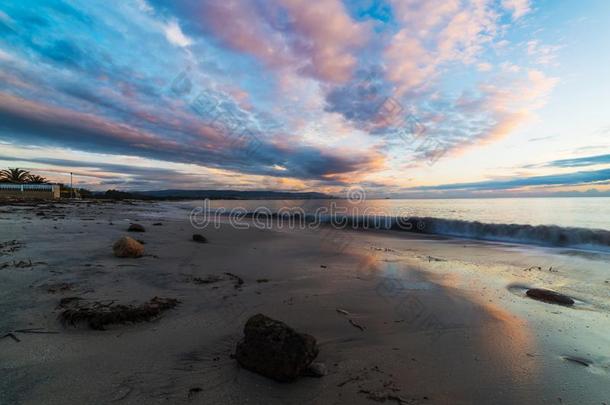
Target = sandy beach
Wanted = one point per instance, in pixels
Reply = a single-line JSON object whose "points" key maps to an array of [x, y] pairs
{"points": [[399, 318]]}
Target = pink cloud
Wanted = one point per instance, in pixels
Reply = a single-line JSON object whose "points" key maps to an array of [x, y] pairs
{"points": [[326, 36], [318, 41], [239, 25], [64, 119], [434, 33], [508, 106], [518, 7]]}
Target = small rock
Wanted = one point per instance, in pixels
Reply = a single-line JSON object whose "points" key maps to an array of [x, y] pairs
{"points": [[128, 247], [207, 280], [200, 238], [194, 391], [275, 350], [553, 297], [136, 228], [121, 393], [316, 370], [59, 287]]}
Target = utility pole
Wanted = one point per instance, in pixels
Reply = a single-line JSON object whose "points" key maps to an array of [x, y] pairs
{"points": [[71, 187]]}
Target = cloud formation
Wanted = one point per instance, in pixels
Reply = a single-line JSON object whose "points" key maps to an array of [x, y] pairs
{"points": [[581, 161], [238, 85], [317, 39], [577, 178], [54, 126]]}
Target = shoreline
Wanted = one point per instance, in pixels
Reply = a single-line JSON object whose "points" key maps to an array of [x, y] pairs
{"points": [[443, 320], [588, 239]]}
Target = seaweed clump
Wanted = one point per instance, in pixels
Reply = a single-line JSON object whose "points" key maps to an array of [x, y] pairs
{"points": [[97, 315]]}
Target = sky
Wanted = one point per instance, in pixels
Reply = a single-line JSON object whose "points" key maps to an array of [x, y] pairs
{"points": [[404, 98]]}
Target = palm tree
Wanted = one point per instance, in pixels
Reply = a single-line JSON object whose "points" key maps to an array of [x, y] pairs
{"points": [[15, 175], [34, 178]]}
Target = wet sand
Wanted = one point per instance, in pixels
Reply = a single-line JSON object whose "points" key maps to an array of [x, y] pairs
{"points": [[399, 318]]}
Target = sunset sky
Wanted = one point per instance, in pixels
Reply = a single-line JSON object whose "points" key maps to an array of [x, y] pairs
{"points": [[404, 97]]}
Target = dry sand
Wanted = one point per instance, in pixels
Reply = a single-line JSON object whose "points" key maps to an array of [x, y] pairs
{"points": [[399, 318]]}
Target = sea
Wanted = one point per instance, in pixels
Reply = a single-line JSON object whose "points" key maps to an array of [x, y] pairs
{"points": [[581, 222]]}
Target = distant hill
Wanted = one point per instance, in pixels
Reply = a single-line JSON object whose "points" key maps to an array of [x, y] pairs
{"points": [[231, 195]]}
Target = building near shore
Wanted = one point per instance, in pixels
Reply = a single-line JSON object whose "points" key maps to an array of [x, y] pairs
{"points": [[34, 191]]}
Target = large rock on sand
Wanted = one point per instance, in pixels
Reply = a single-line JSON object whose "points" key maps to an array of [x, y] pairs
{"points": [[553, 297], [128, 247], [274, 349]]}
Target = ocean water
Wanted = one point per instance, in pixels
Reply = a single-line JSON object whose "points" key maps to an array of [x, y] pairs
{"points": [[569, 222]]}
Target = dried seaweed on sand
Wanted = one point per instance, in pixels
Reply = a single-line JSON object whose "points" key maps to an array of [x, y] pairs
{"points": [[97, 315]]}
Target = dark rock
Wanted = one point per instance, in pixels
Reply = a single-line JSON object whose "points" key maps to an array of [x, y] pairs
{"points": [[136, 228], [194, 391], [274, 349], [553, 297], [200, 238]]}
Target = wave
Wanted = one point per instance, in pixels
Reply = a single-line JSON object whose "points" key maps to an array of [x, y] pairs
{"points": [[543, 235]]}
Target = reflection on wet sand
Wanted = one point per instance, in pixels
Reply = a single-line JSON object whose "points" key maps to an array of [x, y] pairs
{"points": [[466, 343]]}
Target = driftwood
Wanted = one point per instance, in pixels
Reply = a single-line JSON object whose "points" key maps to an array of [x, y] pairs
{"points": [[238, 280], [13, 334]]}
